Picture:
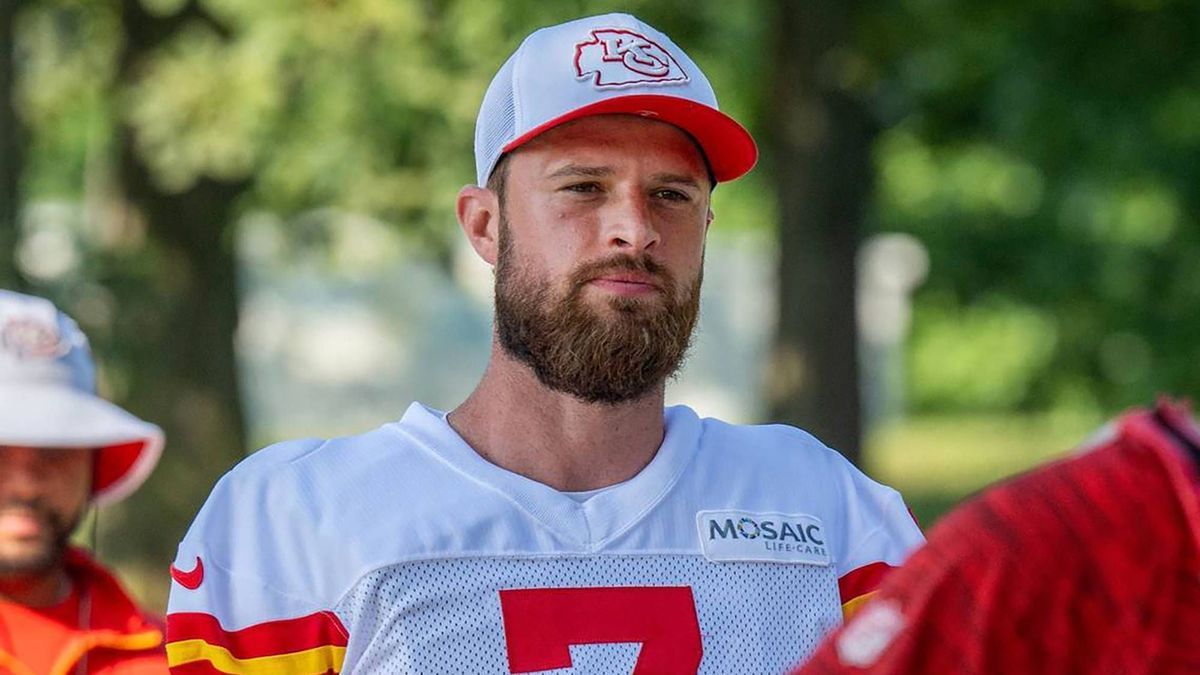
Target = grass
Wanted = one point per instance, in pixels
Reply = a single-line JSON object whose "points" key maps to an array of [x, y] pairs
{"points": [[935, 462]]}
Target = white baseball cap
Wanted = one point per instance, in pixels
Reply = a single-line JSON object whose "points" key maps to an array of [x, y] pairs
{"points": [[606, 64], [48, 399]]}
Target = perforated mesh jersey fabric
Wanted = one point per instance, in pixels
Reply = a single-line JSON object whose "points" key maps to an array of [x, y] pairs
{"points": [[445, 616]]}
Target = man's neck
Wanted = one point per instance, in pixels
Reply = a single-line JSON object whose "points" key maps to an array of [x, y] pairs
{"points": [[42, 589], [517, 423]]}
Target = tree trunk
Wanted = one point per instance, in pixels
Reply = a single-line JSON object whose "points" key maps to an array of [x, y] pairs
{"points": [[818, 147], [183, 328], [12, 148]]}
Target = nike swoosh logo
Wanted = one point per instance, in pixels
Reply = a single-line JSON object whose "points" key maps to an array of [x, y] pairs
{"points": [[190, 579]]}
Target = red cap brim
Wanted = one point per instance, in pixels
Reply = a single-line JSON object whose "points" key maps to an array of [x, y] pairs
{"points": [[113, 463], [728, 147]]}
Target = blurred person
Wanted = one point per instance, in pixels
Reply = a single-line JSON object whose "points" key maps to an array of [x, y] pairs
{"points": [[561, 517], [1088, 565], [63, 449]]}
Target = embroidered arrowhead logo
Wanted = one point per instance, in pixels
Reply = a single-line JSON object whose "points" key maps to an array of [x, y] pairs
{"points": [[615, 57], [32, 339], [190, 579]]}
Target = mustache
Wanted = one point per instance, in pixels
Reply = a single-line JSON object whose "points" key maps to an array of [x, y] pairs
{"points": [[623, 263]]}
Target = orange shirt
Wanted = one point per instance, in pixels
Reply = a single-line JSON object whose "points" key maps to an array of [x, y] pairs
{"points": [[35, 636], [98, 624]]}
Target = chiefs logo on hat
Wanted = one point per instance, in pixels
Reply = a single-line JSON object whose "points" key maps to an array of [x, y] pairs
{"points": [[30, 338], [614, 57]]}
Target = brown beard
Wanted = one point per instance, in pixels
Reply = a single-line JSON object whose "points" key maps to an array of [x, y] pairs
{"points": [[576, 349], [50, 552]]}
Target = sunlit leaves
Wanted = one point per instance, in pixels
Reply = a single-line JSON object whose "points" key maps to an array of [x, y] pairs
{"points": [[1131, 213], [972, 179], [983, 357], [66, 64], [203, 108]]}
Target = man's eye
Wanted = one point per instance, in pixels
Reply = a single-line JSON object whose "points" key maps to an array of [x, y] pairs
{"points": [[672, 195], [583, 187]]}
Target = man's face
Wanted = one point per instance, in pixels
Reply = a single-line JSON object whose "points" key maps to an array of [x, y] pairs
{"points": [[43, 494], [601, 251]]}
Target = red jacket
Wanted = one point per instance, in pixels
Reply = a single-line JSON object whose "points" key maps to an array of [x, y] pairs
{"points": [[1087, 565], [119, 639]]}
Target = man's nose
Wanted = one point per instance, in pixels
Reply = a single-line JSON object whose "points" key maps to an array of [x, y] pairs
{"points": [[21, 472], [629, 223]]}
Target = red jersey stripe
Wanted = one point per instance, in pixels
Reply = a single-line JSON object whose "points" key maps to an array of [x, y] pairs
{"points": [[862, 580], [265, 639]]}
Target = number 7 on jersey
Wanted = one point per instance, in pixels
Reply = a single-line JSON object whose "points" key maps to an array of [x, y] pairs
{"points": [[540, 625]]}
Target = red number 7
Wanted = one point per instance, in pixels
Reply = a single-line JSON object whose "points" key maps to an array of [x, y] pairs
{"points": [[541, 623]]}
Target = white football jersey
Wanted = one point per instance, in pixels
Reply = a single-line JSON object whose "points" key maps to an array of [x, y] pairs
{"points": [[403, 551]]}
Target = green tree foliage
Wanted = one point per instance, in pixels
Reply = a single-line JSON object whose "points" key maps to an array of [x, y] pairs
{"points": [[367, 105], [1046, 152]]}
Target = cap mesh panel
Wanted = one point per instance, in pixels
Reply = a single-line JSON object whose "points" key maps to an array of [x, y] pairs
{"points": [[497, 121]]}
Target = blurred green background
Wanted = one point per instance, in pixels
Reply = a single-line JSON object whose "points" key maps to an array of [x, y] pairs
{"points": [[972, 236]]}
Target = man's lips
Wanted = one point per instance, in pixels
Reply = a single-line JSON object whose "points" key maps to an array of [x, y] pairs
{"points": [[20, 524], [627, 283]]}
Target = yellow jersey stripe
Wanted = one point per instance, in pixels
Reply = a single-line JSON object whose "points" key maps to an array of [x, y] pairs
{"points": [[854, 604], [317, 660]]}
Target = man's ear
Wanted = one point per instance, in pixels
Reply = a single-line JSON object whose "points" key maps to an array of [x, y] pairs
{"points": [[478, 212], [708, 219]]}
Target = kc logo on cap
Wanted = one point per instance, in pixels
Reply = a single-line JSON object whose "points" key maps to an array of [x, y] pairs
{"points": [[614, 57]]}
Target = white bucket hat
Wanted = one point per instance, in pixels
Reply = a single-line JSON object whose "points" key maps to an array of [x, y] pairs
{"points": [[606, 64], [48, 399]]}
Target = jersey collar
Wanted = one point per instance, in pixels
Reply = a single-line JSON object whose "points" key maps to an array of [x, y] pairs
{"points": [[589, 525]]}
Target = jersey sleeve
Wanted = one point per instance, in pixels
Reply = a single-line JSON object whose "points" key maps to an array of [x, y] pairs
{"points": [[1045, 573], [246, 597], [972, 601], [914, 624], [880, 533]]}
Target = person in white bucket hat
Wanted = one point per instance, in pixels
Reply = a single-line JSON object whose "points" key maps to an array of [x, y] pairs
{"points": [[561, 518], [63, 449]]}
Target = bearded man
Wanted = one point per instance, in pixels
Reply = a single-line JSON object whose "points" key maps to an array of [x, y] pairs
{"points": [[62, 450], [560, 519]]}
